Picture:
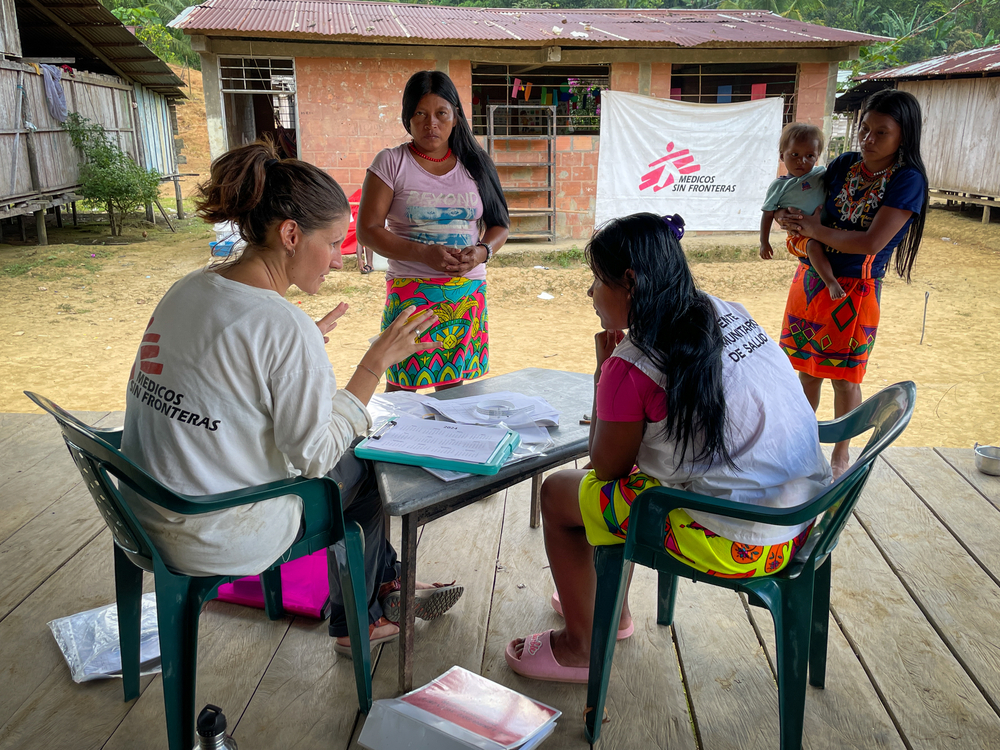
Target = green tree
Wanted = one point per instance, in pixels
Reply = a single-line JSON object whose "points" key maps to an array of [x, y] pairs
{"points": [[108, 176], [170, 45]]}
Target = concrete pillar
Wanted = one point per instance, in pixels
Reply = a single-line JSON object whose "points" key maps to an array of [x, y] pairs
{"points": [[645, 78], [213, 104]]}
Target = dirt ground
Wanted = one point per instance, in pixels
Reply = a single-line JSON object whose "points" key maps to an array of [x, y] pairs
{"points": [[73, 315]]}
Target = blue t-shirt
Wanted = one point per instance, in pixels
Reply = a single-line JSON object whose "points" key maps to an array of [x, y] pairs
{"points": [[851, 205]]}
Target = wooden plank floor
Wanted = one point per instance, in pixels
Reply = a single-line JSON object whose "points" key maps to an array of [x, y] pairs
{"points": [[914, 658]]}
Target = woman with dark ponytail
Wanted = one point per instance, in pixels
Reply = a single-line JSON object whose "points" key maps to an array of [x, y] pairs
{"points": [[695, 396], [876, 203], [232, 387], [434, 207]]}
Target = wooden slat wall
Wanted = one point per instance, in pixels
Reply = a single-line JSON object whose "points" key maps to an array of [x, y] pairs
{"points": [[960, 139], [156, 132], [104, 99], [10, 37]]}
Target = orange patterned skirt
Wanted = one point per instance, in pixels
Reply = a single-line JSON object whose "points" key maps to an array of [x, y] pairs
{"points": [[830, 338]]}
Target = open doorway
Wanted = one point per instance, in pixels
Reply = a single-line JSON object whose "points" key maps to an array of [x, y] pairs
{"points": [[258, 101]]}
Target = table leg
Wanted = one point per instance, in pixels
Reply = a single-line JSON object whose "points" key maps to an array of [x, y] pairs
{"points": [[536, 501], [407, 602]]}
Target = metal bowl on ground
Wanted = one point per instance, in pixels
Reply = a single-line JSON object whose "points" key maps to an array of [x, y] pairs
{"points": [[988, 459]]}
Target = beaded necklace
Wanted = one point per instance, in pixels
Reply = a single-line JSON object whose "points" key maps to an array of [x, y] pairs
{"points": [[422, 155], [862, 193]]}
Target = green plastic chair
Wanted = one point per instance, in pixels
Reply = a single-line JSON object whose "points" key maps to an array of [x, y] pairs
{"points": [[798, 597], [179, 598]]}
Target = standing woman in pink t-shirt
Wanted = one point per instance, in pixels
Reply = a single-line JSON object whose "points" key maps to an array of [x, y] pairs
{"points": [[434, 207]]}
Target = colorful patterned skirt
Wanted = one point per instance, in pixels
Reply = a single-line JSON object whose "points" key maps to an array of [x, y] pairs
{"points": [[830, 338], [605, 507], [460, 305]]}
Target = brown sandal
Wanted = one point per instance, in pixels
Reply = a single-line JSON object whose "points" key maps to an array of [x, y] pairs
{"points": [[345, 648]]}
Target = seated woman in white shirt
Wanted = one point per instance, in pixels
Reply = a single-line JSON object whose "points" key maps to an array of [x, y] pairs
{"points": [[232, 387], [695, 396]]}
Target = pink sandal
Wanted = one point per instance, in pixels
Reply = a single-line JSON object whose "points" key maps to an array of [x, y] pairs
{"points": [[538, 662], [622, 634]]}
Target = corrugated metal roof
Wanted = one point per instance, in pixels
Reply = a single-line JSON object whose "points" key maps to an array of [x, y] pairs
{"points": [[86, 30], [985, 61], [399, 23]]}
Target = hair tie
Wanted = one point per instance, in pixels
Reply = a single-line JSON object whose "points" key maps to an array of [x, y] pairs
{"points": [[270, 163], [676, 225]]}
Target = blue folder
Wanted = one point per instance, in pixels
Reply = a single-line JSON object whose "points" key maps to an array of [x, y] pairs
{"points": [[503, 451]]}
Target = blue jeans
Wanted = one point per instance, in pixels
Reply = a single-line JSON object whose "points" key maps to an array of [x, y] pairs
{"points": [[362, 503]]}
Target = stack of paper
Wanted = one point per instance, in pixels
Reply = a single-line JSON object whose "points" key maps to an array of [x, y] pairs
{"points": [[488, 409], [474, 444], [459, 710], [529, 416]]}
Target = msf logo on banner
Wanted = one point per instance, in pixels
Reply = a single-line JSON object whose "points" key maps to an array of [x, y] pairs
{"points": [[687, 181], [680, 162]]}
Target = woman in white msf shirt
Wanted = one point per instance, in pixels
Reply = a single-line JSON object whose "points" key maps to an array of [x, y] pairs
{"points": [[232, 387]]}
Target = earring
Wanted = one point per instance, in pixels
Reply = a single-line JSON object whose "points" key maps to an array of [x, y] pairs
{"points": [[290, 251]]}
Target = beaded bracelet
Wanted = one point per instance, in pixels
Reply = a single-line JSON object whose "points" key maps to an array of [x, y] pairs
{"points": [[489, 251]]}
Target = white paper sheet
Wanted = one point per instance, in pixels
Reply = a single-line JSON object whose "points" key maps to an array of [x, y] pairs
{"points": [[445, 440], [528, 410]]}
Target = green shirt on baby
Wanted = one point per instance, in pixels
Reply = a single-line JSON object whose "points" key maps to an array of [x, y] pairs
{"points": [[806, 193]]}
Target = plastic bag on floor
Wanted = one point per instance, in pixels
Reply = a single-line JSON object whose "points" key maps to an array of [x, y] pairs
{"points": [[89, 641]]}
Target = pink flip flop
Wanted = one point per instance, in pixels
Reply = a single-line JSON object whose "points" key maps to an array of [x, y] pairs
{"points": [[538, 662], [622, 634]]}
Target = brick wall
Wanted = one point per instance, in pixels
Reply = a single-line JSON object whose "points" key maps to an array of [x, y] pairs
{"points": [[460, 72], [625, 77], [812, 93], [659, 80], [349, 111], [576, 183]]}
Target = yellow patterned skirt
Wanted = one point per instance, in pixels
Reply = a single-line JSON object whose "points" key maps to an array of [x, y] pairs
{"points": [[605, 507]]}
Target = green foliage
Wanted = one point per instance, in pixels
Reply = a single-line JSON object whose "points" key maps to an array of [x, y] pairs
{"points": [[108, 176], [149, 20]]}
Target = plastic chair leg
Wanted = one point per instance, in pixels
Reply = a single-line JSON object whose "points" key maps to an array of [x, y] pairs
{"points": [[791, 607], [270, 581], [128, 595], [352, 585], [820, 624], [178, 606], [612, 576], [666, 595]]}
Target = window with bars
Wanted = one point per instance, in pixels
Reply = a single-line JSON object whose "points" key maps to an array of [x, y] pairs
{"points": [[258, 96], [734, 82], [578, 112]]}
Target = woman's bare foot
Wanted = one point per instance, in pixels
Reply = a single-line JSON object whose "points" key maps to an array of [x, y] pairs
{"points": [[624, 622], [566, 653], [840, 461]]}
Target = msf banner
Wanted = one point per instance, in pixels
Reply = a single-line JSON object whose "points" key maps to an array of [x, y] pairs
{"points": [[710, 163]]}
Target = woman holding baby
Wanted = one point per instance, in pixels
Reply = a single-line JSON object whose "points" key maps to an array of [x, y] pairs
{"points": [[876, 203]]}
